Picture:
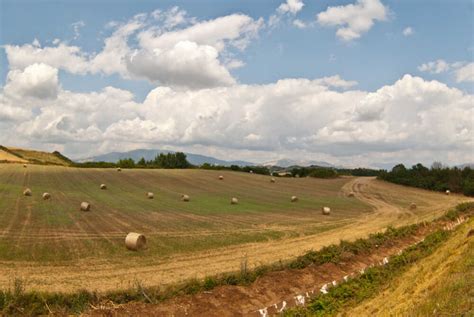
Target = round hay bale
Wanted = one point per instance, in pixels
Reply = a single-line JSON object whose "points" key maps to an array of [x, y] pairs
{"points": [[103, 186], [135, 241], [297, 175], [221, 177], [27, 192], [119, 169], [251, 172], [234, 201], [272, 180], [85, 206], [448, 192], [46, 196], [326, 210], [294, 199], [25, 166], [150, 195], [351, 194], [184, 197], [412, 206]]}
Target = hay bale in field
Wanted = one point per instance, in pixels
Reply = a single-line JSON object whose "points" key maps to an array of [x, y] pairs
{"points": [[46, 196], [150, 195], [119, 169], [25, 166], [351, 194], [297, 175], [412, 206], [85, 206], [234, 201], [184, 197], [27, 192], [294, 199], [251, 172], [103, 186], [272, 180], [135, 241], [221, 177], [448, 192], [326, 210]]}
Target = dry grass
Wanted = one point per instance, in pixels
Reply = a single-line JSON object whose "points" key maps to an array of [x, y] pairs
{"points": [[8, 157], [208, 234], [36, 156], [439, 285]]}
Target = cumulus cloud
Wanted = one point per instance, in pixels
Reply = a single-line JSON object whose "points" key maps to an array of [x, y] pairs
{"points": [[291, 6], [435, 67], [37, 80], [353, 20], [408, 31], [166, 45], [289, 116], [465, 73]]}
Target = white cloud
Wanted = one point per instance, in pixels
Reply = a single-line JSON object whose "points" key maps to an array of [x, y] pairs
{"points": [[299, 24], [76, 26], [408, 31], [37, 80], [353, 20], [289, 116], [187, 64], [291, 6], [465, 73], [436, 67], [170, 48]]}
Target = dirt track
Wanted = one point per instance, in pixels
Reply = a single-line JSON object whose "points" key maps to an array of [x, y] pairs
{"points": [[104, 275]]}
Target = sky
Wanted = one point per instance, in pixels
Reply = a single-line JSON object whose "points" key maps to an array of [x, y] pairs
{"points": [[353, 82]]}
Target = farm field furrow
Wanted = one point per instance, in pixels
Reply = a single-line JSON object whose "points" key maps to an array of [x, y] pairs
{"points": [[185, 239]]}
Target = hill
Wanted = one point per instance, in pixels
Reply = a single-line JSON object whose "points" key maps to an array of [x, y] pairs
{"points": [[18, 155], [150, 154]]}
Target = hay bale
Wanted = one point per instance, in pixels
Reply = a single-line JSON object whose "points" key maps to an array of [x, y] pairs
{"points": [[234, 201], [221, 177], [25, 166], [119, 169], [351, 194], [184, 197], [297, 175], [103, 186], [251, 172], [412, 206], [448, 192], [46, 196], [27, 192], [294, 199], [150, 195], [326, 210], [135, 241], [85, 206], [272, 180]]}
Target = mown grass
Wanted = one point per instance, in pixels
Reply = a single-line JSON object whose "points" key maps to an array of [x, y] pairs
{"points": [[208, 221], [18, 301]]}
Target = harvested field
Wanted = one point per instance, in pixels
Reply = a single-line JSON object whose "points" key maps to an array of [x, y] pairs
{"points": [[205, 237]]}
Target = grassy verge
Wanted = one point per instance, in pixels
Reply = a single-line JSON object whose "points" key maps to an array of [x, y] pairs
{"points": [[17, 301], [375, 279]]}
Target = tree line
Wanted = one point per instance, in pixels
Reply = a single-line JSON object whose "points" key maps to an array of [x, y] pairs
{"points": [[438, 177]]}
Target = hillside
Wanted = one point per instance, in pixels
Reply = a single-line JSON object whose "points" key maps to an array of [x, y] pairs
{"points": [[149, 154], [264, 227], [19, 155]]}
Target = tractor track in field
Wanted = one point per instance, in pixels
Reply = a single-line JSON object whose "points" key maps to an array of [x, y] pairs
{"points": [[104, 275]]}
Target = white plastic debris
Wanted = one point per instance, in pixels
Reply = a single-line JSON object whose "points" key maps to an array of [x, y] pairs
{"points": [[263, 312], [334, 283], [283, 306], [346, 278], [299, 300]]}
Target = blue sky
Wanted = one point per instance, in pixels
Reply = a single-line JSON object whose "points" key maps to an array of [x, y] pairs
{"points": [[400, 38]]}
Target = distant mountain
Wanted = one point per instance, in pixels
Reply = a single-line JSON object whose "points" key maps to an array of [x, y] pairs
{"points": [[289, 162], [148, 154]]}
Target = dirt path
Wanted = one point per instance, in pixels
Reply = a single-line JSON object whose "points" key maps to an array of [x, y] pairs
{"points": [[103, 275]]}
